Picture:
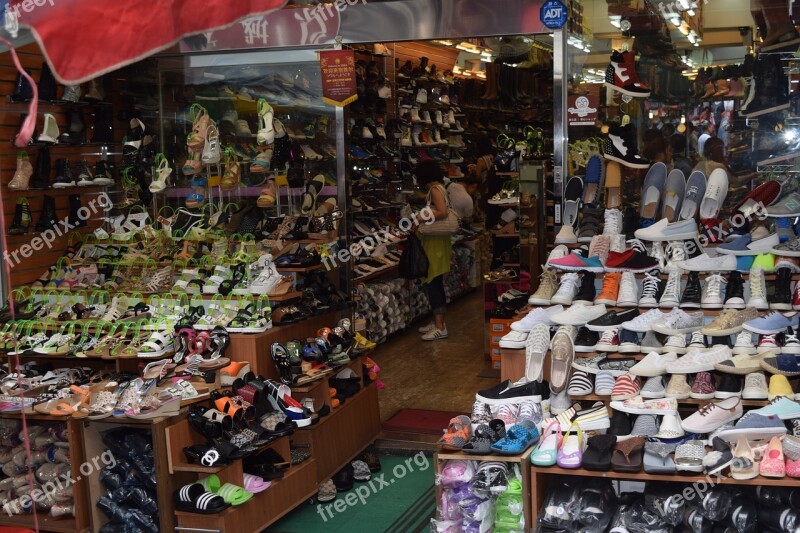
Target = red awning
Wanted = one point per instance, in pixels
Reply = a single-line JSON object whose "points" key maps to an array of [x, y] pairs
{"points": [[83, 39]]}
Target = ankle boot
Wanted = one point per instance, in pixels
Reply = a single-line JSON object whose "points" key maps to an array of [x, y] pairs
{"points": [[103, 126], [420, 71], [75, 220], [22, 218], [22, 176], [41, 174], [22, 89], [47, 84], [48, 218], [49, 131], [64, 176], [76, 133]]}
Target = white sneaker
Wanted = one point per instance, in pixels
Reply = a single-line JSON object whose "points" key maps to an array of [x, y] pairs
{"points": [[535, 351], [700, 361], [435, 334], [664, 230], [427, 327], [570, 285], [628, 291], [757, 291], [744, 343], [513, 339], [557, 253], [578, 315], [653, 364], [674, 254], [678, 322], [612, 222], [539, 315], [706, 263], [641, 323], [676, 344], [649, 291], [672, 292], [716, 191], [712, 292]]}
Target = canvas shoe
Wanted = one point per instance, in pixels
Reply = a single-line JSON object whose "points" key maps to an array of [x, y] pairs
{"points": [[580, 384], [536, 347], [604, 383], [782, 407], [556, 253], [587, 291], [640, 406], [699, 361], [628, 342], [567, 290], [562, 353], [729, 322], [755, 387], [654, 364], [612, 320], [590, 365], [612, 222], [678, 387], [674, 193], [642, 323], [695, 190], [653, 388], [757, 291], [586, 340], [729, 386], [788, 206], [651, 342], [572, 202], [791, 342], [768, 343], [578, 315], [779, 386], [536, 316], [708, 263], [771, 323], [663, 230], [630, 261], [790, 248], [703, 387], [671, 296], [744, 344], [626, 386], [575, 262], [608, 294], [650, 291], [678, 322], [748, 245], [675, 344], [698, 340], [628, 291], [513, 339], [600, 363], [692, 292], [548, 285], [712, 292], [650, 206], [754, 426], [713, 415], [508, 393], [716, 191], [734, 291], [782, 295], [609, 341]]}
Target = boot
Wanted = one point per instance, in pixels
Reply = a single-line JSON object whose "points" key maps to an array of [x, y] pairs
{"points": [[50, 131], [22, 176], [96, 91], [103, 126], [48, 218], [491, 73], [22, 218], [47, 84], [420, 71], [76, 133], [64, 177], [41, 174], [75, 220], [22, 89]]}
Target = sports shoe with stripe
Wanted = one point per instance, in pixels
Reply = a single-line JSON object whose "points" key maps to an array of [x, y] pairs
{"points": [[580, 384], [594, 418]]}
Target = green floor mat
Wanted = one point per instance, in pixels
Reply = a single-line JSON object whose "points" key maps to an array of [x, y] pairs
{"points": [[403, 502]]}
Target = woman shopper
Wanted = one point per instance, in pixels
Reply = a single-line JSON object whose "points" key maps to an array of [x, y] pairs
{"points": [[462, 194], [438, 249]]}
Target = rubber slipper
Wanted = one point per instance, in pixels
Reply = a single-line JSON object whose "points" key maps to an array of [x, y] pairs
{"points": [[234, 494]]}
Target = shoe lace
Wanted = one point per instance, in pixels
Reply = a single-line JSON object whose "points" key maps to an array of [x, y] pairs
{"points": [[757, 285], [527, 410], [744, 338], [768, 340], [673, 284], [608, 336], [650, 286], [478, 411], [714, 284], [611, 221], [636, 244], [506, 412], [569, 282]]}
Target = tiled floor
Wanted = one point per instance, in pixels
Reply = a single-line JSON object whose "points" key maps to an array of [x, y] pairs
{"points": [[439, 375]]}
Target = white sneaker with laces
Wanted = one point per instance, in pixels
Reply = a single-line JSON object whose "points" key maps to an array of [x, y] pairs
{"points": [[578, 315], [757, 294], [791, 343], [641, 323], [744, 343], [679, 322], [712, 292], [627, 295], [539, 315], [672, 292], [698, 340], [657, 252], [612, 222], [570, 285], [675, 252], [676, 344], [435, 334], [653, 364], [649, 291], [557, 253]]}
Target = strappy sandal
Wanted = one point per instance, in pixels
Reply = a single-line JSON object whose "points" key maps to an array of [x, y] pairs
{"points": [[597, 456], [484, 436], [657, 458], [627, 455]]}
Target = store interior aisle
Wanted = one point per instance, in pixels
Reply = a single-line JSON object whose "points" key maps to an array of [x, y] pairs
{"points": [[436, 375]]}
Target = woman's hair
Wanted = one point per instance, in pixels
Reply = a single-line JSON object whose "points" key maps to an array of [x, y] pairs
{"points": [[483, 146], [471, 177], [428, 171], [714, 150]]}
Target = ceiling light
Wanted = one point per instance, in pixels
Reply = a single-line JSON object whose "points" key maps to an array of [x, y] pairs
{"points": [[468, 47]]}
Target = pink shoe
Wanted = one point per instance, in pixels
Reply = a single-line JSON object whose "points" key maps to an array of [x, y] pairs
{"points": [[793, 468], [773, 464]]}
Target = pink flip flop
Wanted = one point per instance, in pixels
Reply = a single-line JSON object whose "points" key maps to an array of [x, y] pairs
{"points": [[254, 484]]}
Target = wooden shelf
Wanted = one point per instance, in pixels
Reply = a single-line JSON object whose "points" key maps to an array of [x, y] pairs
{"points": [[687, 401], [677, 478], [300, 269], [46, 522], [376, 274]]}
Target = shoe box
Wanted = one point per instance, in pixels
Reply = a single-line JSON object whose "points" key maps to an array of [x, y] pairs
{"points": [[498, 327]]}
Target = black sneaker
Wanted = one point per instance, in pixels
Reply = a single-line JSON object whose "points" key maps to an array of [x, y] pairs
{"points": [[586, 340], [587, 292], [506, 391], [734, 291], [620, 146], [620, 424], [729, 386], [782, 297], [692, 293], [612, 320]]}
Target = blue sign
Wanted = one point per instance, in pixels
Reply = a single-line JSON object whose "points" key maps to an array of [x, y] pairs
{"points": [[553, 14]]}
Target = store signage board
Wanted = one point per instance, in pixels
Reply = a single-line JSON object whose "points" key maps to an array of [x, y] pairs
{"points": [[338, 68], [582, 110], [553, 14]]}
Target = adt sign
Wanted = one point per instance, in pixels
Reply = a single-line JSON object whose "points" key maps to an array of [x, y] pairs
{"points": [[553, 14]]}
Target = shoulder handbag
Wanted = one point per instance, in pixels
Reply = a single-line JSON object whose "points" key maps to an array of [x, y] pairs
{"points": [[441, 228]]}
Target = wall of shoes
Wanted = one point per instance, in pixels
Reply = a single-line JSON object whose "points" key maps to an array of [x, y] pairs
{"points": [[189, 302]]}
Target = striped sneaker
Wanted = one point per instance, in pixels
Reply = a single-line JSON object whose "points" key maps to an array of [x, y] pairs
{"points": [[626, 386], [604, 383], [580, 384], [594, 418]]}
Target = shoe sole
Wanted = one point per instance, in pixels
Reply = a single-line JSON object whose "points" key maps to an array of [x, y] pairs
{"points": [[686, 236], [744, 253], [733, 434], [593, 327], [626, 92], [714, 305], [763, 331], [702, 396], [538, 301], [725, 395], [586, 349], [689, 305], [563, 241], [781, 307], [627, 304], [607, 348], [742, 350], [512, 345], [605, 301], [754, 396], [629, 349], [634, 270], [575, 268], [721, 332], [637, 411], [653, 395], [785, 253], [674, 331]]}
